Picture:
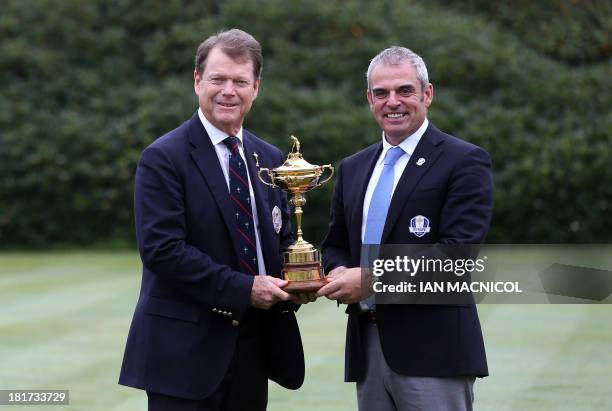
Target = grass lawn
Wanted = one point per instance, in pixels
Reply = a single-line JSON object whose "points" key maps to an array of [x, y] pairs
{"points": [[64, 319]]}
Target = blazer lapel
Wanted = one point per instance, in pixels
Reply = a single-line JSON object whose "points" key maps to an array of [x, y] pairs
{"points": [[207, 161], [361, 179], [261, 193], [429, 149]]}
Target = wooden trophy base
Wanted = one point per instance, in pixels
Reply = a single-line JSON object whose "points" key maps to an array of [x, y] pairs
{"points": [[303, 278]]}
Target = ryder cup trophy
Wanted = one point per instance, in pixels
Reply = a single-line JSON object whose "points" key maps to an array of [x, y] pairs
{"points": [[302, 262]]}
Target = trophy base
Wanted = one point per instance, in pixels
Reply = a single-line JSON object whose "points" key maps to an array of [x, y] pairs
{"points": [[306, 286], [304, 278]]}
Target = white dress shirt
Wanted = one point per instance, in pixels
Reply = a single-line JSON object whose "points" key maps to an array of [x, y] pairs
{"points": [[408, 145], [216, 137]]}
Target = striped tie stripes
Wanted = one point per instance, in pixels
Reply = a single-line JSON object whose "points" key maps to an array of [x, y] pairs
{"points": [[241, 199]]}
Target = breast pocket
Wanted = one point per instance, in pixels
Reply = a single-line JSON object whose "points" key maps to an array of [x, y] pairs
{"points": [[426, 192]]}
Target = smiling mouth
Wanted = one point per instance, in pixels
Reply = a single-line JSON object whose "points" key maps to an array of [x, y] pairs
{"points": [[227, 105], [394, 115]]}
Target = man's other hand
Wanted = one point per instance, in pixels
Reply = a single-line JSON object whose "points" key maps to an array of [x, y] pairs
{"points": [[344, 286]]}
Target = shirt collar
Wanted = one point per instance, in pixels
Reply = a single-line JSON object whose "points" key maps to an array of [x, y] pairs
{"points": [[408, 145], [216, 136]]}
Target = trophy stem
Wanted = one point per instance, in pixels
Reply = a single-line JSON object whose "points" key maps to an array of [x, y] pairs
{"points": [[298, 201], [298, 217]]}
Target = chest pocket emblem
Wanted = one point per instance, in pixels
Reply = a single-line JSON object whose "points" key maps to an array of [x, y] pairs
{"points": [[419, 225]]}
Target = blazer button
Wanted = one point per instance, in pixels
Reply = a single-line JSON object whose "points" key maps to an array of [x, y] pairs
{"points": [[235, 323], [214, 310]]}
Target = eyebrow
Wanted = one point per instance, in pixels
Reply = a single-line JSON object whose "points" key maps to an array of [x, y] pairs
{"points": [[223, 75], [409, 86]]}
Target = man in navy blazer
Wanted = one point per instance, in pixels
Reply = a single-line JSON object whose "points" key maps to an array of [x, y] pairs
{"points": [[212, 322], [416, 186]]}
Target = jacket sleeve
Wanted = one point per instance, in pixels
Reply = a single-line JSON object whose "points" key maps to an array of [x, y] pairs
{"points": [[335, 246], [467, 209]]}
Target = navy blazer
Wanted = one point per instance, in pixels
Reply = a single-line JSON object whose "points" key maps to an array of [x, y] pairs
{"points": [[193, 294], [453, 188]]}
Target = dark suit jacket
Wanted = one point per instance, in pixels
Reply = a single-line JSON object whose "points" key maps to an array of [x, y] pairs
{"points": [[183, 333], [454, 190]]}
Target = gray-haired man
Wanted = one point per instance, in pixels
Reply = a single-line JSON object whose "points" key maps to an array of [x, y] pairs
{"points": [[407, 357]]}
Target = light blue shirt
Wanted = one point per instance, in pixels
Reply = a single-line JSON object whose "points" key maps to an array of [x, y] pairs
{"points": [[408, 145]]}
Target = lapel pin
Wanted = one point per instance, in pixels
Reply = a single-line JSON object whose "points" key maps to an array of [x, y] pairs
{"points": [[256, 156], [420, 161]]}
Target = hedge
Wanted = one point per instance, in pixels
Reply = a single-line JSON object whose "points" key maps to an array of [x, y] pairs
{"points": [[87, 85]]}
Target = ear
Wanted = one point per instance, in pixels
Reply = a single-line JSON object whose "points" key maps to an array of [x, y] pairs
{"points": [[197, 79], [370, 98], [428, 95], [256, 88]]}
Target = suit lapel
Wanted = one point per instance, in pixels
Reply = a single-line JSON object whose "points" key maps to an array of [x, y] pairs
{"points": [[361, 180], [261, 193], [428, 149], [207, 161]]}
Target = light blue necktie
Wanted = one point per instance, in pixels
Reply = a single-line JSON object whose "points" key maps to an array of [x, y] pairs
{"points": [[377, 213]]}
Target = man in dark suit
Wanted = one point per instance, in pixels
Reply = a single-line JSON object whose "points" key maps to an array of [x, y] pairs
{"points": [[212, 322], [416, 186]]}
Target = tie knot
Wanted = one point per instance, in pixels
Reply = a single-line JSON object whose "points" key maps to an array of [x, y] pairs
{"points": [[232, 143], [393, 154]]}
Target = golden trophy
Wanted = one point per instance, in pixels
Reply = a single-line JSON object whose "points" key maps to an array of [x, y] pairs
{"points": [[302, 262]]}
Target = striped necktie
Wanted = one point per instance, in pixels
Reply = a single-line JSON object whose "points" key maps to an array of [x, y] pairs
{"points": [[241, 199]]}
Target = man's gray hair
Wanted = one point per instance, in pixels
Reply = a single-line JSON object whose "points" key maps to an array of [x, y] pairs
{"points": [[395, 56]]}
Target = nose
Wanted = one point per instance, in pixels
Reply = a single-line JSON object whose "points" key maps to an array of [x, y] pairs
{"points": [[228, 87], [392, 101]]}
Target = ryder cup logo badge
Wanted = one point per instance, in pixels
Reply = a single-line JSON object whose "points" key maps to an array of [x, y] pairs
{"points": [[419, 225], [277, 220]]}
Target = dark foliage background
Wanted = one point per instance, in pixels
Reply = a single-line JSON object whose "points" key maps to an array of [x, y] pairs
{"points": [[87, 85]]}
